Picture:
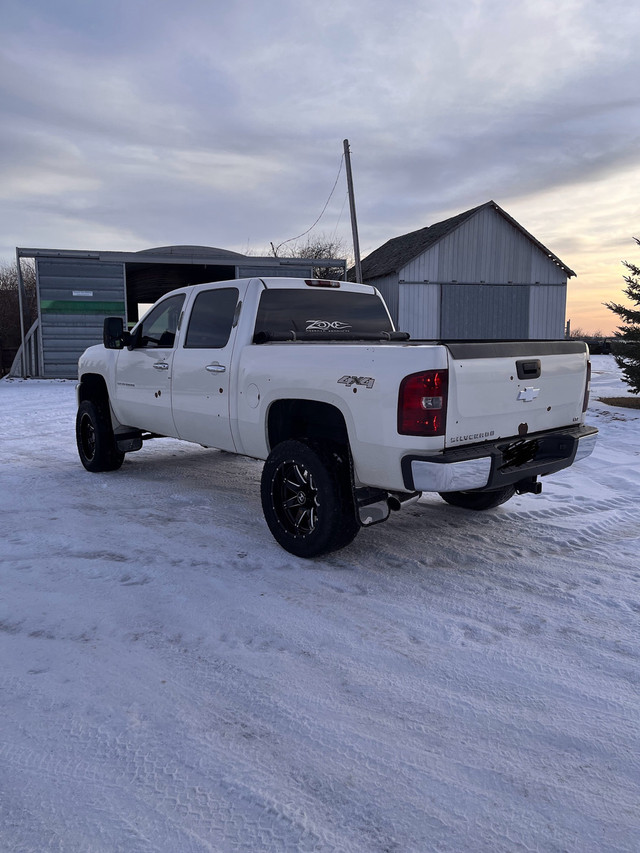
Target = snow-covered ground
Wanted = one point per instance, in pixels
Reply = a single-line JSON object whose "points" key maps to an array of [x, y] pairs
{"points": [[173, 681]]}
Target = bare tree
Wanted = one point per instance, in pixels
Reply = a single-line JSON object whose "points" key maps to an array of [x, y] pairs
{"points": [[10, 303], [316, 248], [579, 335]]}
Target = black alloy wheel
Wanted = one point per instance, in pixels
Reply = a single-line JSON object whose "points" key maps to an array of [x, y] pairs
{"points": [[95, 440], [307, 498], [296, 497]]}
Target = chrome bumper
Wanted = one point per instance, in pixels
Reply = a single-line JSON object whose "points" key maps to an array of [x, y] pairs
{"points": [[452, 477], [490, 465], [586, 445]]}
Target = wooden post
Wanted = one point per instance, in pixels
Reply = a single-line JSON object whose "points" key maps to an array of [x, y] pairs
{"points": [[352, 206], [23, 360]]}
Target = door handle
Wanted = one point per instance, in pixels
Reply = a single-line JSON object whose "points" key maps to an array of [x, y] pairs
{"points": [[529, 369], [215, 368], [161, 365]]}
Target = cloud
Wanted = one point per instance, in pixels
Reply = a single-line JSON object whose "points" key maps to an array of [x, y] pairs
{"points": [[158, 122]]}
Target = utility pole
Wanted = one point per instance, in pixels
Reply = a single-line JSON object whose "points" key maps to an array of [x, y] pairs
{"points": [[352, 206]]}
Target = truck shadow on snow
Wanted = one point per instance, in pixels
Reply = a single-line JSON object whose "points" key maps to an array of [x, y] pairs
{"points": [[225, 489], [428, 533]]}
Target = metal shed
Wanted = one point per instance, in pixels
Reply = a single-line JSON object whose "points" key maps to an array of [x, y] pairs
{"points": [[478, 275], [76, 290]]}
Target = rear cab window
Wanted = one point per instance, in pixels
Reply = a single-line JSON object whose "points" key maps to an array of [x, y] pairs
{"points": [[319, 315]]}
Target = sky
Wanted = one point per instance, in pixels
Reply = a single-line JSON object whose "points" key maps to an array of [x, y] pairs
{"points": [[129, 125]]}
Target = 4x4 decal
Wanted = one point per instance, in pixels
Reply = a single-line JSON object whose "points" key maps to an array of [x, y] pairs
{"points": [[366, 381]]}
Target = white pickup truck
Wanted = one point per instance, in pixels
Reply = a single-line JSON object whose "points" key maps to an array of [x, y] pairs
{"points": [[352, 417]]}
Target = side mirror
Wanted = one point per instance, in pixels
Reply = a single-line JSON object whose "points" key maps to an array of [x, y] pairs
{"points": [[113, 333]]}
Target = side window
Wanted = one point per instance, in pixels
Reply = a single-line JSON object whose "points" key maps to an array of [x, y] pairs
{"points": [[159, 327], [212, 318]]}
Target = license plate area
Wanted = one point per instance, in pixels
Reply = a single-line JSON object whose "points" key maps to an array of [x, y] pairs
{"points": [[522, 453], [518, 453]]}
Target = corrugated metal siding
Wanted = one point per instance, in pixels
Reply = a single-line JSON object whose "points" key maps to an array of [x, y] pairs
{"points": [[547, 306], [545, 271], [275, 272], [423, 268], [507, 277], [419, 310], [487, 248], [484, 312], [388, 287], [74, 298]]}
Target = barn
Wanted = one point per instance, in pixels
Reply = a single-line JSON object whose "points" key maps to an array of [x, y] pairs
{"points": [[476, 276], [76, 290]]}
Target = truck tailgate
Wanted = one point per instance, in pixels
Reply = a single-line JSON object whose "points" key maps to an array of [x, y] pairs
{"points": [[500, 389]]}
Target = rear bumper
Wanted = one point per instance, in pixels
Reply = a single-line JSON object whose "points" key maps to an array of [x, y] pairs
{"points": [[500, 463]]}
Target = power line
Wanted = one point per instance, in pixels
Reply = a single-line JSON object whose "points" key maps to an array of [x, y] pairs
{"points": [[335, 230], [291, 239]]}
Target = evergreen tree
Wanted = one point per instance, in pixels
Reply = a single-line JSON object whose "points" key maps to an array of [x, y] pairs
{"points": [[627, 346]]}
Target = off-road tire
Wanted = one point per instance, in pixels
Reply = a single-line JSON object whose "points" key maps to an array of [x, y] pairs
{"points": [[479, 500], [307, 498], [95, 440]]}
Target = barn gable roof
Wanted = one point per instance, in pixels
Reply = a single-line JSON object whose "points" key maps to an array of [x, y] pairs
{"points": [[399, 251]]}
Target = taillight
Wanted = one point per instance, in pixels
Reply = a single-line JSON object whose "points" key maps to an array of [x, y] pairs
{"points": [[587, 387], [422, 403]]}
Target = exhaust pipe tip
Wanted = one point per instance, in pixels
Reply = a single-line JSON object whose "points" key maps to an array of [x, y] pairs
{"points": [[400, 500]]}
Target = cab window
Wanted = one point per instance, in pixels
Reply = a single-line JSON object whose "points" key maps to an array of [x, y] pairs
{"points": [[321, 314], [158, 329], [212, 318]]}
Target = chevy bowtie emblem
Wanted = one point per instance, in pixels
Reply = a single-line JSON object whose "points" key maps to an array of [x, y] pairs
{"points": [[527, 395]]}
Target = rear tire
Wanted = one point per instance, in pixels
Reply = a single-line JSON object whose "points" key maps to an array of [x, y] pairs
{"points": [[307, 498], [95, 440], [479, 500]]}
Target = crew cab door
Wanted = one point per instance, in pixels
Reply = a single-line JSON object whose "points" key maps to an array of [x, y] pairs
{"points": [[143, 372], [202, 369]]}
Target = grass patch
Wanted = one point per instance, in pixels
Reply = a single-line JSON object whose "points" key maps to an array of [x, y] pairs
{"points": [[624, 402]]}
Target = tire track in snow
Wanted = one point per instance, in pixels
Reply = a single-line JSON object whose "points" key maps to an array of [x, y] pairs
{"points": [[159, 801]]}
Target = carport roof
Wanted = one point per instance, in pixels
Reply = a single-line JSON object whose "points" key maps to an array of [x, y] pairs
{"points": [[201, 255], [192, 252]]}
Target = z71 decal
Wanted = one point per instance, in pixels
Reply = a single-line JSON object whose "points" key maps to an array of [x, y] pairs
{"points": [[366, 381]]}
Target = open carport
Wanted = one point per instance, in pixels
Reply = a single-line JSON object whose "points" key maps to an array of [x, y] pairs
{"points": [[76, 290]]}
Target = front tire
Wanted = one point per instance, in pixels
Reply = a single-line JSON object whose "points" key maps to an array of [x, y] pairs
{"points": [[307, 498], [95, 440], [479, 500]]}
